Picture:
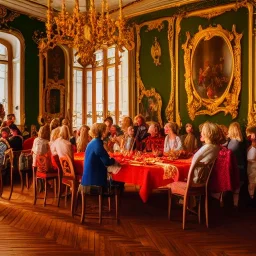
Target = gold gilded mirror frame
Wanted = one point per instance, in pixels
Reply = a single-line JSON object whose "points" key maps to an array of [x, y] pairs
{"points": [[208, 14], [228, 100], [159, 25]]}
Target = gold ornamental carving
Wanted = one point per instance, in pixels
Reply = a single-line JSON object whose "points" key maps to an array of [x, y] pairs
{"points": [[6, 16], [213, 86], [156, 52], [158, 25]]}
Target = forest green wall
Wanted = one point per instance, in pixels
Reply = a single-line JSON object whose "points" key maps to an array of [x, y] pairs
{"points": [[160, 77], [26, 26]]}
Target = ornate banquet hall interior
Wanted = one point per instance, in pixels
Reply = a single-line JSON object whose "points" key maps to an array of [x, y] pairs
{"points": [[182, 61]]}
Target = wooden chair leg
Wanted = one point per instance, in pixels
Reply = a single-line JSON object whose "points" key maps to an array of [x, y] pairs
{"points": [[100, 208], [21, 181], [35, 186], [55, 189], [83, 207], [45, 191], [206, 210], [73, 198], [169, 203], [66, 196], [109, 204], [1, 183], [117, 198], [185, 204], [11, 183], [199, 210], [27, 180], [59, 191]]}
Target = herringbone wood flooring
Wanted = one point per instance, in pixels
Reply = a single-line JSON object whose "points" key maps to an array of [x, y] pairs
{"points": [[143, 230]]}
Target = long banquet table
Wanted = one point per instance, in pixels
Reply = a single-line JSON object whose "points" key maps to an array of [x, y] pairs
{"points": [[147, 175], [152, 175]]}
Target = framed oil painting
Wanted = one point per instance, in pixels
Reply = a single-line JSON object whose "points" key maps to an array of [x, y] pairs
{"points": [[150, 105], [212, 71]]}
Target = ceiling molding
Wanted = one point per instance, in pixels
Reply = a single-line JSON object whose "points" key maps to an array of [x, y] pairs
{"points": [[26, 7]]}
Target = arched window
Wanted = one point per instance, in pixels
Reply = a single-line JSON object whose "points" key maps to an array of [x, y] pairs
{"points": [[12, 74], [101, 90]]}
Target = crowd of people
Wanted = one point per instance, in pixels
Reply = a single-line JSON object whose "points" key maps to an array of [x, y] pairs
{"points": [[130, 135]]}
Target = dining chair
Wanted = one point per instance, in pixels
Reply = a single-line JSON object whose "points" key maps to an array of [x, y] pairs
{"points": [[68, 178], [7, 165], [25, 167], [112, 190], [44, 171], [191, 189]]}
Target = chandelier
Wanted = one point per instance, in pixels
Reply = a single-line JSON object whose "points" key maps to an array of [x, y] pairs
{"points": [[86, 32]]}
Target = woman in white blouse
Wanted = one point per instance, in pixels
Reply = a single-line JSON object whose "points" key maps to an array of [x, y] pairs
{"points": [[172, 141], [62, 146]]}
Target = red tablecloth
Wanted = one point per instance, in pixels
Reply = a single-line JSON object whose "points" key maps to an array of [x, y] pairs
{"points": [[225, 174], [149, 177]]}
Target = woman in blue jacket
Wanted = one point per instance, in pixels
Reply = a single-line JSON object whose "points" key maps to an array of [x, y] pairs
{"points": [[96, 158]]}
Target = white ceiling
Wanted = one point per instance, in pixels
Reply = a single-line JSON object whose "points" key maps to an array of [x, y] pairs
{"points": [[37, 8]]}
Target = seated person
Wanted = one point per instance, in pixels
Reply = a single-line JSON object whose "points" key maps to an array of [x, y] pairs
{"points": [[4, 145], [154, 142], [128, 140], [28, 143], [114, 138], [16, 140], [83, 138], [212, 138], [172, 141], [62, 146], [141, 132], [97, 158], [189, 140], [41, 143]]}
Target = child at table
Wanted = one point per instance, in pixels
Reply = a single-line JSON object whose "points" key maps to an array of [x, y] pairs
{"points": [[251, 162]]}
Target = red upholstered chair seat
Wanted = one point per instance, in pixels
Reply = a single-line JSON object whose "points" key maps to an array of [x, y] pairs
{"points": [[178, 187]]}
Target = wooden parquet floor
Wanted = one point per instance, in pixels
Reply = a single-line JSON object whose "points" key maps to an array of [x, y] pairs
{"points": [[26, 229]]}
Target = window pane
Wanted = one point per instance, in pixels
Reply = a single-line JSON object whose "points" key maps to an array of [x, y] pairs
{"points": [[111, 93], [89, 97], [77, 100], [3, 52], [123, 85], [111, 52], [4, 85], [99, 96]]}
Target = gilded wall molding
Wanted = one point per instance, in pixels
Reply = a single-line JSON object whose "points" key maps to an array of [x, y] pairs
{"points": [[159, 25], [203, 95], [6, 16], [208, 14]]}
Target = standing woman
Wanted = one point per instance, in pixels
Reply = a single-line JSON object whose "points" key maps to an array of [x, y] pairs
{"points": [[97, 158], [172, 141], [235, 144]]}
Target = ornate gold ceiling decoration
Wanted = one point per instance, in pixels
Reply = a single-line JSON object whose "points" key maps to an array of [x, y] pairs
{"points": [[6, 16]]}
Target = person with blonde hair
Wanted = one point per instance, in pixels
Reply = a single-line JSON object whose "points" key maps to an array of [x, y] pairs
{"points": [[41, 143], [212, 138], [62, 146], [172, 142], [54, 124], [97, 158], [235, 144], [83, 138], [125, 122]]}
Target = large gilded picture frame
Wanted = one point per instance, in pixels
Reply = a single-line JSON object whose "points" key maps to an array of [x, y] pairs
{"points": [[212, 60]]}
